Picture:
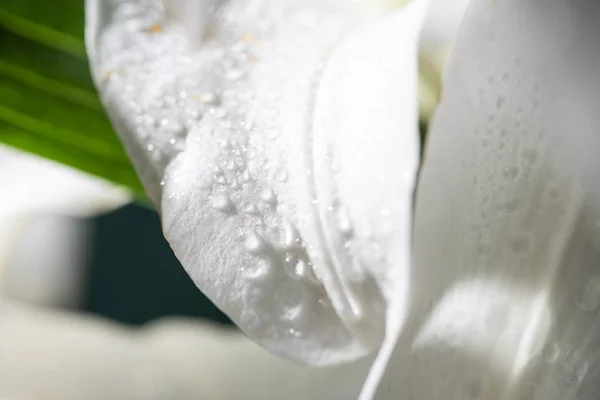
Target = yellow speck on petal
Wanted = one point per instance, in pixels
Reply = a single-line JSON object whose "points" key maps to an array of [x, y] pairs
{"points": [[156, 28], [110, 75]]}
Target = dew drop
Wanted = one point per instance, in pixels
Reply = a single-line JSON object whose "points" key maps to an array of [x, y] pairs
{"points": [[255, 244], [575, 368], [343, 221], [550, 353], [252, 209], [295, 332], [230, 165], [291, 237], [500, 102], [282, 176], [267, 195], [216, 170], [531, 156], [301, 269], [206, 182], [520, 244], [244, 176], [576, 375], [219, 112], [240, 163], [234, 184], [235, 74], [257, 273], [510, 173], [223, 203], [290, 260], [511, 206], [588, 299], [290, 299], [208, 98], [226, 144], [273, 133]]}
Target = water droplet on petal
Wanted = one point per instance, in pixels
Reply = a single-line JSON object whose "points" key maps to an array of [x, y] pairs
{"points": [[291, 237], [500, 102], [295, 332], [520, 244], [510, 173], [267, 195], [208, 98], [234, 74], [588, 299], [273, 133], [343, 220], [252, 209], [531, 156], [282, 176], [244, 176], [255, 244], [290, 299], [550, 353], [223, 203]]}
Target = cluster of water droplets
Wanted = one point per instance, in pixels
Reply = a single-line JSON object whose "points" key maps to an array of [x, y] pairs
{"points": [[512, 165], [511, 161], [185, 102]]}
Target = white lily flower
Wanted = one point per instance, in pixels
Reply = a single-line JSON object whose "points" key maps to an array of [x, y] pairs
{"points": [[253, 145], [279, 142]]}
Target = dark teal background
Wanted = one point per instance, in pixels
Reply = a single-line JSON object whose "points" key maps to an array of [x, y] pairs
{"points": [[134, 276]]}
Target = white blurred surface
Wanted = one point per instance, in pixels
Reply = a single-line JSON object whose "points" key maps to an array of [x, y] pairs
{"points": [[442, 26], [47, 263], [42, 247]]}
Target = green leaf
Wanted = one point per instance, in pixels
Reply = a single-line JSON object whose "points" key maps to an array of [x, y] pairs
{"points": [[48, 103]]}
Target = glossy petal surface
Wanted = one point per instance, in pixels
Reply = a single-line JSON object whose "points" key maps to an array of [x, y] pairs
{"points": [[505, 289], [282, 165]]}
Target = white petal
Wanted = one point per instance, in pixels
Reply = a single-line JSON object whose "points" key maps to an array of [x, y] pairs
{"points": [[442, 25], [234, 145], [366, 135], [506, 248]]}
